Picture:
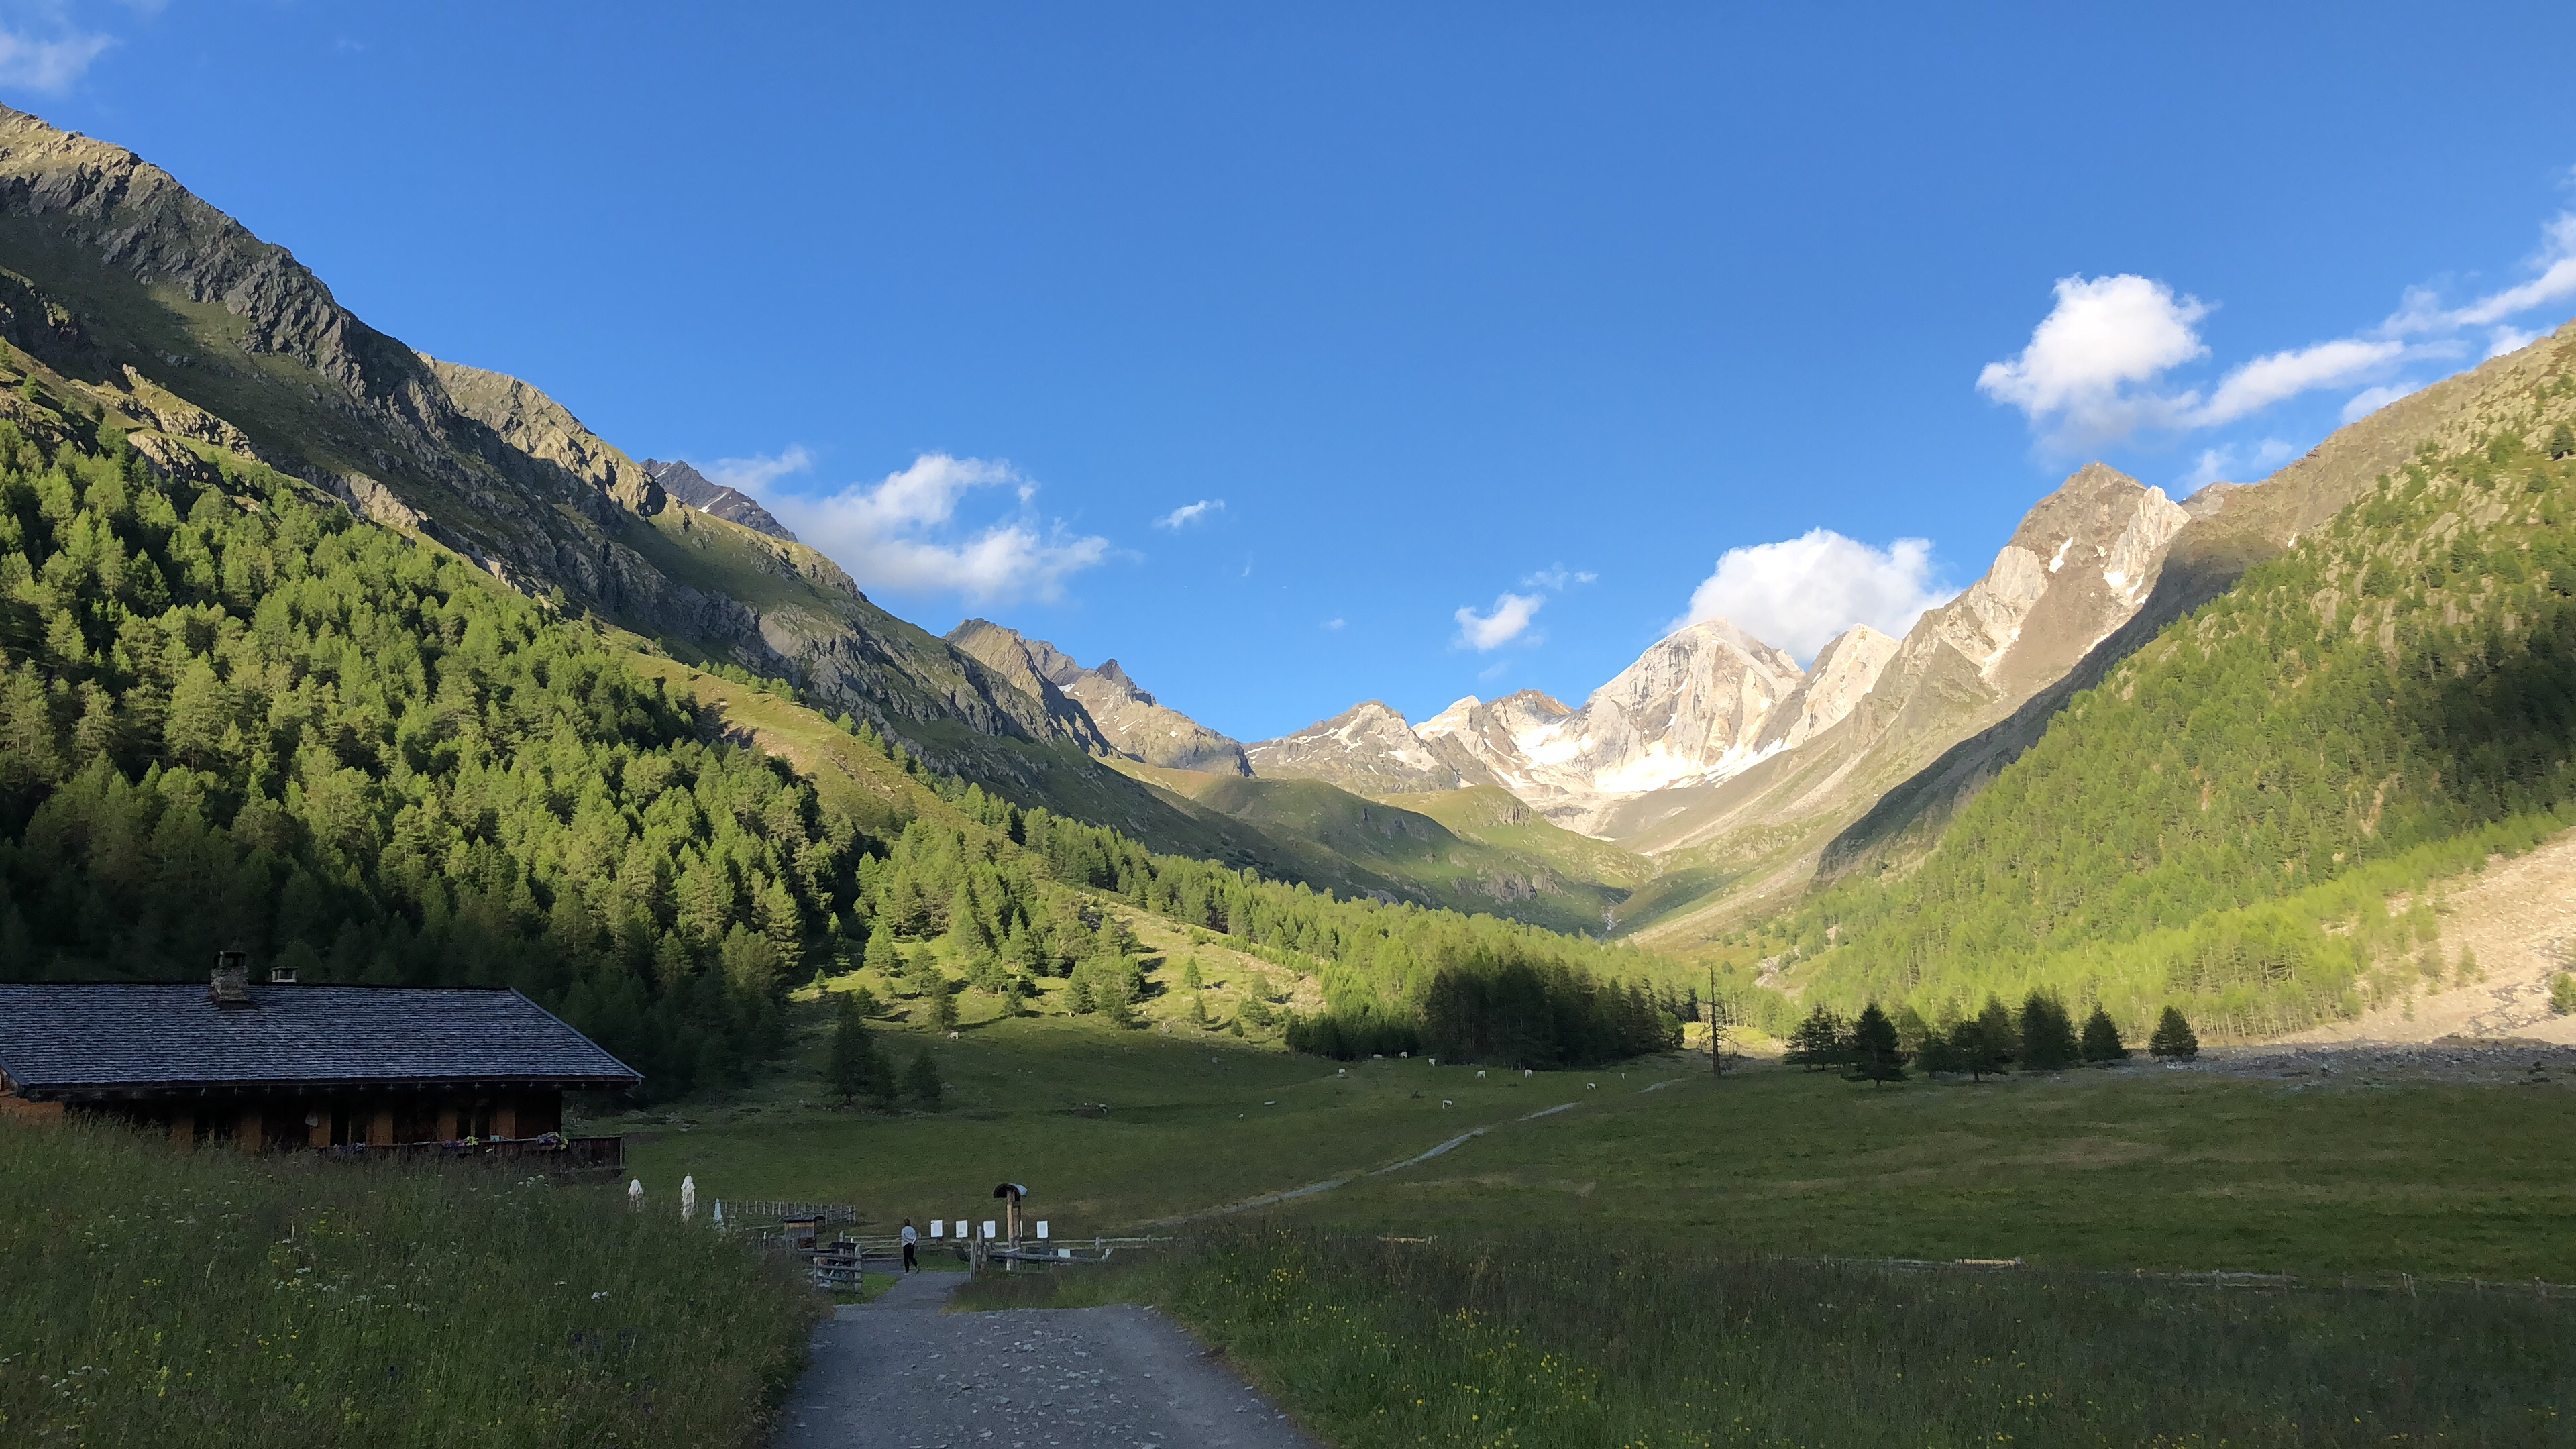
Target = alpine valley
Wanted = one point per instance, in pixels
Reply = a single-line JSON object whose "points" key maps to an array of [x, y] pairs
{"points": [[1890, 820]]}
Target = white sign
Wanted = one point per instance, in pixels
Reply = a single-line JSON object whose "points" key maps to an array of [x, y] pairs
{"points": [[1042, 1227], [936, 1224], [989, 1229]]}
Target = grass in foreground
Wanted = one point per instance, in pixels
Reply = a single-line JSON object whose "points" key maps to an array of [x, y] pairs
{"points": [[213, 1298], [1548, 1339]]}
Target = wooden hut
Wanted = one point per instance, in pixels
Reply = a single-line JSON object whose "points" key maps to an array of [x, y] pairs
{"points": [[358, 1068]]}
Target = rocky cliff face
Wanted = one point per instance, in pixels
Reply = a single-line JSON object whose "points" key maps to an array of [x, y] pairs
{"points": [[732, 505], [1845, 670], [1130, 722]]}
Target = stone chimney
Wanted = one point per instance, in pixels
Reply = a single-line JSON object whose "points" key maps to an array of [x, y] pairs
{"points": [[229, 987]]}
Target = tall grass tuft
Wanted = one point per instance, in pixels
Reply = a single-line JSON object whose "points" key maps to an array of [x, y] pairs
{"points": [[213, 1298], [1554, 1341]]}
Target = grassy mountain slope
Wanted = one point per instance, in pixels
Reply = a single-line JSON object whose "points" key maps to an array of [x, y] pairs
{"points": [[1389, 849], [2234, 527], [2216, 822]]}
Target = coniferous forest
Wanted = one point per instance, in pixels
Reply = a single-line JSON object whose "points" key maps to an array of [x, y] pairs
{"points": [[233, 715]]}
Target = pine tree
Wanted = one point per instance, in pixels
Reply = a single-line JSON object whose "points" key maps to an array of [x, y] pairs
{"points": [[883, 1084], [1190, 977], [1819, 1041], [2047, 1035], [1077, 999], [2102, 1038], [2003, 1039], [865, 1003], [1875, 1055], [880, 955], [2174, 1036], [943, 1007], [921, 1085], [845, 1067], [1198, 1012]]}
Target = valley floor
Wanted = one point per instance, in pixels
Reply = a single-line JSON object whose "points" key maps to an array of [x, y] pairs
{"points": [[2387, 1167]]}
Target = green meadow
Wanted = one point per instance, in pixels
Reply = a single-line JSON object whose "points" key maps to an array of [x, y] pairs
{"points": [[1571, 1341], [2135, 1167]]}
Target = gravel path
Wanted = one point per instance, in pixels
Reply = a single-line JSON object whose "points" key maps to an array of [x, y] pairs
{"points": [[898, 1372]]}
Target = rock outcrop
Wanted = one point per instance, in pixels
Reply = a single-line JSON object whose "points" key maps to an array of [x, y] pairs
{"points": [[1367, 749], [1129, 721], [707, 496]]}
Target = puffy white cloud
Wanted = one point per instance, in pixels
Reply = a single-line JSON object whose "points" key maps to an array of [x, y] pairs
{"points": [[2268, 379], [2095, 369], [1508, 620], [1801, 592], [2237, 465], [2371, 399], [1555, 577], [2105, 336], [1189, 513], [51, 62], [897, 534], [758, 471]]}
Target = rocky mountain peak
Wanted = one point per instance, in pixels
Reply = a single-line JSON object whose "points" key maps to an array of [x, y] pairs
{"points": [[1130, 722], [2079, 565], [1368, 749], [707, 496]]}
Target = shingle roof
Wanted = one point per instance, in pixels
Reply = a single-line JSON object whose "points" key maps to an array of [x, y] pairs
{"points": [[73, 1040]]}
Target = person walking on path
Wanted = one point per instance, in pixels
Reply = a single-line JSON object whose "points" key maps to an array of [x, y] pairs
{"points": [[910, 1238]]}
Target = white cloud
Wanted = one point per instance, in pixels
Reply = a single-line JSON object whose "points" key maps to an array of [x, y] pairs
{"points": [[1555, 577], [1509, 620], [1335, 623], [758, 471], [2511, 339], [2233, 464], [2104, 337], [1801, 592], [892, 534], [2268, 379], [2371, 399], [2422, 310], [1189, 513], [51, 62], [2095, 369]]}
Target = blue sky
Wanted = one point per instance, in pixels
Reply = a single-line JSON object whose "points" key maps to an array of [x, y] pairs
{"points": [[1482, 332]]}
